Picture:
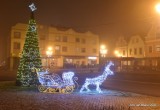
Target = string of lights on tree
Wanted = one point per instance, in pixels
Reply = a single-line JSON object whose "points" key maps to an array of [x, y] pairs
{"points": [[30, 55]]}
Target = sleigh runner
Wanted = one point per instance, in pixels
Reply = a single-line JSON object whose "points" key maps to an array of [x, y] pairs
{"points": [[53, 83]]}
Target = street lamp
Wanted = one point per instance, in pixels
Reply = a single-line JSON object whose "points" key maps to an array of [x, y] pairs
{"points": [[49, 53], [158, 7], [103, 50], [117, 53]]}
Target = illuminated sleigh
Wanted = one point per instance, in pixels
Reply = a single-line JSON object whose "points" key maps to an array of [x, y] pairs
{"points": [[53, 83]]}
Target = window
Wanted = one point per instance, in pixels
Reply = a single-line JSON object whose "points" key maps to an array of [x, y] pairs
{"points": [[94, 42], [94, 50], [140, 51], [64, 39], [42, 37], [64, 49], [124, 52], [83, 41], [77, 40], [130, 51], [58, 38], [17, 35], [133, 41], [158, 48], [78, 49], [57, 49], [16, 45], [83, 50], [135, 51], [157, 35], [150, 49]]}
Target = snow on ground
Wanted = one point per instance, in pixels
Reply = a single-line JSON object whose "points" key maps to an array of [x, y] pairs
{"points": [[13, 99]]}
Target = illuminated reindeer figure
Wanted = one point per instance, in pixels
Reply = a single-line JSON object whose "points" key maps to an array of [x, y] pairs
{"points": [[97, 81]]}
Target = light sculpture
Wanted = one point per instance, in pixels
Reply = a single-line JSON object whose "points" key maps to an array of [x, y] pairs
{"points": [[32, 7], [53, 83], [97, 81]]}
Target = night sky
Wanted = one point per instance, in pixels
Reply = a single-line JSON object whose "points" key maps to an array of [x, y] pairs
{"points": [[107, 18]]}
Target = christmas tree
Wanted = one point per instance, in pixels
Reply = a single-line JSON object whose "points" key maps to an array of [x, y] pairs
{"points": [[30, 57]]}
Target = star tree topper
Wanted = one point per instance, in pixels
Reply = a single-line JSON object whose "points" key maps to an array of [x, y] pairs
{"points": [[32, 7]]}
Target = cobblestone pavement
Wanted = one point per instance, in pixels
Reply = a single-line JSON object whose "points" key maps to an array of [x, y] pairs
{"points": [[13, 99]]}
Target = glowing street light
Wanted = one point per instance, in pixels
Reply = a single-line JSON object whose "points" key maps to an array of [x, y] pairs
{"points": [[103, 50], [158, 7], [49, 53], [117, 53]]}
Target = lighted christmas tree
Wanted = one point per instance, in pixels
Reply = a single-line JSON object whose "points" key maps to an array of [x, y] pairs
{"points": [[30, 57]]}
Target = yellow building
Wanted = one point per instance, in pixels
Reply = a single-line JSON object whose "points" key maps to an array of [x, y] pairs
{"points": [[135, 47], [67, 47], [121, 47], [152, 41]]}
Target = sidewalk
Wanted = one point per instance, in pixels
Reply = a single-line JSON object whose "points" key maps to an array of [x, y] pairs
{"points": [[13, 99]]}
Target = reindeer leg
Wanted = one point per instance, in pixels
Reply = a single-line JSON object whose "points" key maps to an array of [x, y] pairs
{"points": [[98, 88], [82, 88], [88, 90], [85, 86]]}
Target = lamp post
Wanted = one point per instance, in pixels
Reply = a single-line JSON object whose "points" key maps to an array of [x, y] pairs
{"points": [[49, 53], [158, 7], [103, 52], [117, 53]]}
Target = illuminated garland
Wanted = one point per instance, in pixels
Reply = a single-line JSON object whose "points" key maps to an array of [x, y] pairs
{"points": [[97, 81]]}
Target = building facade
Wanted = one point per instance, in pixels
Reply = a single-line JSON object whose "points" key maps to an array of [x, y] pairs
{"points": [[146, 48], [68, 47], [121, 47], [152, 41], [136, 47]]}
